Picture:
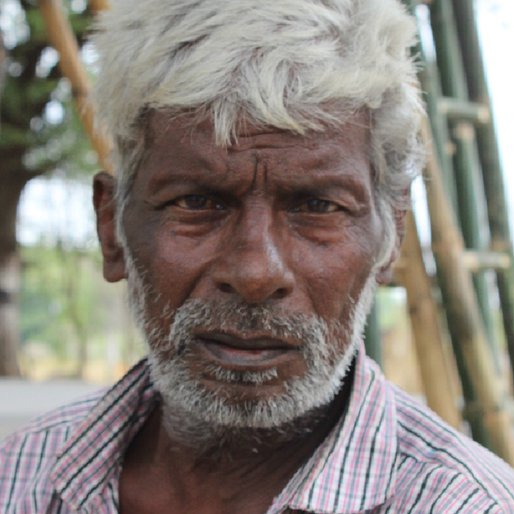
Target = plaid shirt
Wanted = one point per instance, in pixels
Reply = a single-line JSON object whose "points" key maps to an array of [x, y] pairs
{"points": [[388, 455]]}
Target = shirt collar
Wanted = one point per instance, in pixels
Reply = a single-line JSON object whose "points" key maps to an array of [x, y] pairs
{"points": [[93, 455], [354, 469]]}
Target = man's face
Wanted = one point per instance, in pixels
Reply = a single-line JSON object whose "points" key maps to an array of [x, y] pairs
{"points": [[247, 265]]}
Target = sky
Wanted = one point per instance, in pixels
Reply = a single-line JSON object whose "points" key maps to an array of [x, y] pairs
{"points": [[52, 208], [496, 23]]}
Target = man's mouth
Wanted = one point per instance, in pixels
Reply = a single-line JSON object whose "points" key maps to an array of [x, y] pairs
{"points": [[244, 352]]}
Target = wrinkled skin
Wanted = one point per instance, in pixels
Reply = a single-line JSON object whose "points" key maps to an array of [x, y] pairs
{"points": [[275, 219]]}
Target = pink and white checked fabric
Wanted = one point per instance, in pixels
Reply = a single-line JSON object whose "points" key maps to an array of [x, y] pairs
{"points": [[388, 455]]}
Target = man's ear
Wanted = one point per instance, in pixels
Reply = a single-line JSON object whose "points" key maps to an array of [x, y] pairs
{"points": [[105, 209], [385, 273]]}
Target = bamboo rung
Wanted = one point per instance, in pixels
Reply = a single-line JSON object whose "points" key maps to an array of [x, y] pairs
{"points": [[458, 110], [481, 261], [475, 409], [473, 260]]}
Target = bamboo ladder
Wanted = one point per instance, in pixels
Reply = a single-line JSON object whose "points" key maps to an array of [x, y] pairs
{"points": [[464, 163], [475, 362]]}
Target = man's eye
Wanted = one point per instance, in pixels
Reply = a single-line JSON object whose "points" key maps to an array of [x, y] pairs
{"points": [[197, 203], [316, 205]]}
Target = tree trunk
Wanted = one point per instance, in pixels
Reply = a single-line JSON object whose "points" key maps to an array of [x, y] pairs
{"points": [[3, 66], [10, 191], [9, 260]]}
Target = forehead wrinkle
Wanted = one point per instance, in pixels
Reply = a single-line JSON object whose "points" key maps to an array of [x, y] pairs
{"points": [[192, 151], [259, 170], [267, 142], [260, 174]]}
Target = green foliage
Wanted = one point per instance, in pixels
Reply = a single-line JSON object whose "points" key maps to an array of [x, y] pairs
{"points": [[64, 146], [65, 303], [36, 24], [392, 307], [14, 137], [32, 141], [45, 300]]}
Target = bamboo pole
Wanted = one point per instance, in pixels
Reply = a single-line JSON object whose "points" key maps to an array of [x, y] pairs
{"points": [[98, 5], [489, 156], [490, 411], [471, 198], [431, 87], [473, 214], [63, 40], [440, 389]]}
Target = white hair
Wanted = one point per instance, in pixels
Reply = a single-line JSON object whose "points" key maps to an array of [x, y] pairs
{"points": [[297, 65]]}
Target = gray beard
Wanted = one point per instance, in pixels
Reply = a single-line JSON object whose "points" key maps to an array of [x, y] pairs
{"points": [[202, 418]]}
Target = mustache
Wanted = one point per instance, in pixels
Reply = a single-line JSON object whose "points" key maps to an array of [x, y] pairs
{"points": [[233, 316], [228, 315]]}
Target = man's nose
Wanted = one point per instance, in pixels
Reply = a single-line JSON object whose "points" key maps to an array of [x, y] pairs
{"points": [[254, 265]]}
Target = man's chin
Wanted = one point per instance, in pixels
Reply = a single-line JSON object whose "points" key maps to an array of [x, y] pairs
{"points": [[228, 401], [242, 401], [216, 419], [238, 393], [263, 380]]}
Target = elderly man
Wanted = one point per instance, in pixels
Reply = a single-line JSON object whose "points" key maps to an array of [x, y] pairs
{"points": [[264, 151]]}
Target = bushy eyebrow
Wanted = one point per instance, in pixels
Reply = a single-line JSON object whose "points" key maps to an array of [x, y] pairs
{"points": [[328, 185]]}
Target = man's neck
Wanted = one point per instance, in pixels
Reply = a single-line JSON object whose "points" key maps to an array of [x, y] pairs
{"points": [[239, 471]]}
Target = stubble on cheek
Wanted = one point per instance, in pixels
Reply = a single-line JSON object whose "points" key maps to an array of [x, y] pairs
{"points": [[327, 349]]}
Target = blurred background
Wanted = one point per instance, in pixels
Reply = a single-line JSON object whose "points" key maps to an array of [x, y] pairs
{"points": [[66, 322], [60, 323]]}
